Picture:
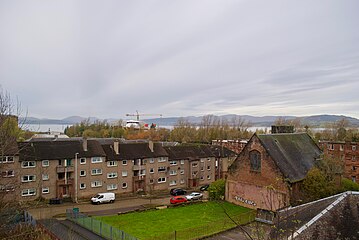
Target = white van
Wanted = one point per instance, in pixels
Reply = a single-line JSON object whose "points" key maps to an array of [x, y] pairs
{"points": [[103, 198]]}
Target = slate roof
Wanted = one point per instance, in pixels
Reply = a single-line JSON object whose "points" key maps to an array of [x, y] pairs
{"points": [[52, 150], [220, 151], [294, 153], [134, 151], [189, 152]]}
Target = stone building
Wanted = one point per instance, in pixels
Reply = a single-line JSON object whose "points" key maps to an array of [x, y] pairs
{"points": [[268, 172]]}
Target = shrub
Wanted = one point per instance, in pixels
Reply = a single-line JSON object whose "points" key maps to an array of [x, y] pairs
{"points": [[348, 185], [216, 190]]}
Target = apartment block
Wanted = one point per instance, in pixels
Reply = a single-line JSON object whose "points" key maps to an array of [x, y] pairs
{"points": [[348, 152]]}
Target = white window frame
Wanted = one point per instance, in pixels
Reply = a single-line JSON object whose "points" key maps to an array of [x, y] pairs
{"points": [[161, 180], [182, 171], [161, 169], [84, 173], [30, 178], [173, 172], [96, 184], [209, 167], [26, 164], [182, 162], [354, 147], [124, 173], [45, 177], [209, 177], [112, 186], [152, 160], [82, 160], [5, 159], [152, 170], [124, 185], [162, 159], [45, 161], [195, 164], [45, 190], [173, 183], [96, 160], [173, 163], [112, 175], [82, 185], [96, 171], [182, 181], [6, 174], [201, 178], [124, 162], [112, 164], [30, 192]]}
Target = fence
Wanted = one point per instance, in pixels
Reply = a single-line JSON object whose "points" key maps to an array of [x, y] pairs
{"points": [[207, 229], [96, 226]]}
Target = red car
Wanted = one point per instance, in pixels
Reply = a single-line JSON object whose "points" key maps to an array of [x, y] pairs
{"points": [[177, 199]]}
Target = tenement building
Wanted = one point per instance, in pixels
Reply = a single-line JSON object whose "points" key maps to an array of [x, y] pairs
{"points": [[268, 172], [347, 152], [78, 168]]}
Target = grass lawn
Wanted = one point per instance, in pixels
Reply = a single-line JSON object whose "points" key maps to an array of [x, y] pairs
{"points": [[209, 217]]}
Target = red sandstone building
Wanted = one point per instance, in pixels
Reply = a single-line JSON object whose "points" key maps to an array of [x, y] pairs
{"points": [[268, 173], [348, 152]]}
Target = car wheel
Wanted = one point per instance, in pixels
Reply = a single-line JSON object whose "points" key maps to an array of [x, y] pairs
{"points": [[112, 201]]}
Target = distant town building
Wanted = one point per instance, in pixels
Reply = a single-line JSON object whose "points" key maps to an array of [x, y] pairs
{"points": [[233, 145]]}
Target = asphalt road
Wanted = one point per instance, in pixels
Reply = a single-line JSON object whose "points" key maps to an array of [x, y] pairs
{"points": [[103, 209]]}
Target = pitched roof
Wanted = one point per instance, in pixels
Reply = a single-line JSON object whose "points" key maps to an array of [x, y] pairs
{"points": [[190, 152], [41, 150], [294, 153], [220, 151], [134, 151]]}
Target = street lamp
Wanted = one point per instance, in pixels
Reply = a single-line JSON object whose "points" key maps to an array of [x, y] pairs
{"points": [[76, 177]]}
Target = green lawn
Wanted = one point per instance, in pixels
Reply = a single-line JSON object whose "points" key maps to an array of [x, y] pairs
{"points": [[189, 221]]}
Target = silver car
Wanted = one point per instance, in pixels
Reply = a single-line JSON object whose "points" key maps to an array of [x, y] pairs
{"points": [[194, 196]]}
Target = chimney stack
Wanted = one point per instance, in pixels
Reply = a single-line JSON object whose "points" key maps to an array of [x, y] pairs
{"points": [[116, 147], [84, 144], [150, 145]]}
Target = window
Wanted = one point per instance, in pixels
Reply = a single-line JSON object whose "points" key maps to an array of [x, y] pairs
{"points": [[152, 160], [111, 163], [330, 146], [208, 168], [202, 160], [124, 162], [209, 177], [45, 177], [152, 170], [82, 185], [173, 182], [161, 180], [7, 188], [194, 173], [143, 172], [354, 168], [182, 181], [354, 179], [45, 163], [353, 158], [112, 175], [28, 192], [28, 164], [194, 164], [354, 148], [28, 178], [96, 159], [124, 173], [202, 168], [161, 159], [173, 162], [173, 172], [124, 185], [45, 190], [82, 160], [182, 162], [8, 173], [112, 186], [161, 169], [255, 161], [82, 173], [202, 178], [182, 171], [96, 171], [7, 159], [151, 181], [96, 184], [208, 159], [341, 147]]}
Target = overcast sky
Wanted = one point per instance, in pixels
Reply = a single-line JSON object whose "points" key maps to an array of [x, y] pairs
{"points": [[181, 58]]}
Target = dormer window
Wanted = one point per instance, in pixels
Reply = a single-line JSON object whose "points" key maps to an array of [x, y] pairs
{"points": [[255, 160]]}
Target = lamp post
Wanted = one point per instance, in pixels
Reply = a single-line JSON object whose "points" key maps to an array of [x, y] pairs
{"points": [[76, 177]]}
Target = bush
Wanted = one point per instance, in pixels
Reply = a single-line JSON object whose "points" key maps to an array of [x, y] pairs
{"points": [[348, 185], [216, 190]]}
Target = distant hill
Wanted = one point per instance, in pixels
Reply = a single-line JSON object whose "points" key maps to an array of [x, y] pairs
{"points": [[265, 121]]}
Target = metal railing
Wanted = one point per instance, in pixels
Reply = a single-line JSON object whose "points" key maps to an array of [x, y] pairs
{"points": [[102, 229]]}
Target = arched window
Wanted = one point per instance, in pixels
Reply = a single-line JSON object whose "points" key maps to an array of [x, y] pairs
{"points": [[255, 160]]}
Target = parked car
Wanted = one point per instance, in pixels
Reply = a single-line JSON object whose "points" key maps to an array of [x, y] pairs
{"points": [[177, 191], [204, 187], [103, 198], [178, 199], [194, 196]]}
